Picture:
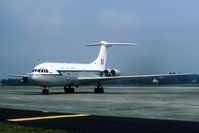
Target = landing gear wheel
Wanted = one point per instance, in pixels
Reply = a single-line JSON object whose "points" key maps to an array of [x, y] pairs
{"points": [[98, 90], [45, 91], [72, 90], [68, 90]]}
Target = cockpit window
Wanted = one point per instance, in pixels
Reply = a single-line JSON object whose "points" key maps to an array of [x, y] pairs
{"points": [[45, 71], [40, 70], [34, 70]]}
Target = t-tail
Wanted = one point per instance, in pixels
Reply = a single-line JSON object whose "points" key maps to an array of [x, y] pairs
{"points": [[101, 59]]}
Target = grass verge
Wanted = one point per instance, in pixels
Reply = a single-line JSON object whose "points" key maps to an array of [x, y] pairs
{"points": [[15, 128]]}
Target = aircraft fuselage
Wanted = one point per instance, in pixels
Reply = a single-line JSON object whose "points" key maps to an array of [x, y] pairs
{"points": [[63, 74]]}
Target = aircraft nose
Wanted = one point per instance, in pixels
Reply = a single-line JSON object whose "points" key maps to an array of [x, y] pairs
{"points": [[35, 79]]}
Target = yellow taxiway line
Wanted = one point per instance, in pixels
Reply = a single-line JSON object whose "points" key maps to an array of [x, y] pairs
{"points": [[47, 117]]}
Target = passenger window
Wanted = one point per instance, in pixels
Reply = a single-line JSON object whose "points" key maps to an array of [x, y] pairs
{"points": [[47, 70], [42, 70], [39, 70]]}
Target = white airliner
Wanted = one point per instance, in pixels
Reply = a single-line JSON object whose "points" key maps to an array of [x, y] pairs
{"points": [[72, 75]]}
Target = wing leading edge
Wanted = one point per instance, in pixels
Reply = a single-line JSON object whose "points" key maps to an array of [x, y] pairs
{"points": [[99, 79], [18, 75], [24, 77]]}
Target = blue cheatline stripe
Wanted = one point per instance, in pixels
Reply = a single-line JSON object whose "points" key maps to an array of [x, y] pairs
{"points": [[79, 71]]}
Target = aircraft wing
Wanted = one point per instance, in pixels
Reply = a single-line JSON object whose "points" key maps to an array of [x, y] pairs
{"points": [[24, 77], [99, 79], [18, 75]]}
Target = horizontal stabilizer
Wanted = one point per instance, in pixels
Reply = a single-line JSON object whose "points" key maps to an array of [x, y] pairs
{"points": [[109, 44]]}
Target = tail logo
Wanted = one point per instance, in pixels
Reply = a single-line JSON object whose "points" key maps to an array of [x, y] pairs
{"points": [[102, 61]]}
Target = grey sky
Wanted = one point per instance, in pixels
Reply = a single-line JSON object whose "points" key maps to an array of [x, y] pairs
{"points": [[58, 30]]}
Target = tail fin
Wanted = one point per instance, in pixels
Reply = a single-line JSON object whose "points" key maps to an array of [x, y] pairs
{"points": [[101, 59]]}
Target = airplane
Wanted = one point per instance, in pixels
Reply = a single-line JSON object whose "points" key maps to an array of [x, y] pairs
{"points": [[70, 75]]}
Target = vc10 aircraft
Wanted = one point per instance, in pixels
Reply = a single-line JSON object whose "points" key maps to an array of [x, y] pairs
{"points": [[70, 75]]}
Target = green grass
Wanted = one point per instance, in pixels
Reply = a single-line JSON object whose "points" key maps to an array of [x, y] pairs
{"points": [[15, 128]]}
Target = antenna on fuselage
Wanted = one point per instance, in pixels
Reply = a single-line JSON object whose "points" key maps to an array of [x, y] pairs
{"points": [[39, 60]]}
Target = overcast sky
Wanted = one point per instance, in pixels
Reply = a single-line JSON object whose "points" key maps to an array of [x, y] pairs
{"points": [[58, 31]]}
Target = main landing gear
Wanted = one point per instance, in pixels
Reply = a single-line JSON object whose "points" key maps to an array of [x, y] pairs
{"points": [[99, 88], [45, 91], [69, 89]]}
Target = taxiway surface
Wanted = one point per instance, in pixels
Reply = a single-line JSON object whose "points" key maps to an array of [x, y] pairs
{"points": [[173, 103], [95, 124]]}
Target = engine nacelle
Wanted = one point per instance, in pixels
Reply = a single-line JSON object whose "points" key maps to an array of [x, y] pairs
{"points": [[107, 72], [115, 72], [24, 80], [111, 72]]}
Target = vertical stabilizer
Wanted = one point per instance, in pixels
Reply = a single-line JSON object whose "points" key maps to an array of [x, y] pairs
{"points": [[100, 62]]}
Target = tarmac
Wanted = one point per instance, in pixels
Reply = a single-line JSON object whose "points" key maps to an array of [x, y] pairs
{"points": [[118, 109], [95, 124]]}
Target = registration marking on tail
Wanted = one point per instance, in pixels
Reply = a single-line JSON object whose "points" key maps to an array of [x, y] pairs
{"points": [[47, 117]]}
